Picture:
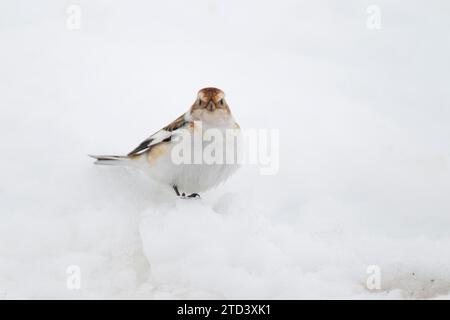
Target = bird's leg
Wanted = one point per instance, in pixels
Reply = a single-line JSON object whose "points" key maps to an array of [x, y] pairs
{"points": [[176, 190]]}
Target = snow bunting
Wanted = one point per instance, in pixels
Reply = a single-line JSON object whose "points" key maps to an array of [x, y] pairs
{"points": [[155, 154]]}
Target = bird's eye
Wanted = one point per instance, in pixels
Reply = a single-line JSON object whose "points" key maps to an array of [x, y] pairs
{"points": [[200, 102], [221, 102]]}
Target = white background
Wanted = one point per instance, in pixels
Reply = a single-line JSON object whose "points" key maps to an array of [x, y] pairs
{"points": [[364, 173]]}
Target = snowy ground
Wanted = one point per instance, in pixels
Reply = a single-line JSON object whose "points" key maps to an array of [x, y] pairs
{"points": [[364, 173]]}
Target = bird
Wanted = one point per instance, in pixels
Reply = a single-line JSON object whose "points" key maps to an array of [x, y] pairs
{"points": [[155, 155]]}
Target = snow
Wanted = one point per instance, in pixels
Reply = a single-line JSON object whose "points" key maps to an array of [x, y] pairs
{"points": [[364, 164]]}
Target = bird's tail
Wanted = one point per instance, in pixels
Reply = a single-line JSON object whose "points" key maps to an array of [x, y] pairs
{"points": [[111, 160]]}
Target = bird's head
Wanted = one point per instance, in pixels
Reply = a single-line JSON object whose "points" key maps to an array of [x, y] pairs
{"points": [[211, 100], [211, 107]]}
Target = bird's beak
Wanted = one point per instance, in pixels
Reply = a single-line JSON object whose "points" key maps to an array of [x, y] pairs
{"points": [[211, 106]]}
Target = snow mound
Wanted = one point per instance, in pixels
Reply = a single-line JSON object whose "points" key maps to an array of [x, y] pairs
{"points": [[223, 250]]}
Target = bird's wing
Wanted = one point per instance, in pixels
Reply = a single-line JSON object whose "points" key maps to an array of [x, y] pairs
{"points": [[163, 135]]}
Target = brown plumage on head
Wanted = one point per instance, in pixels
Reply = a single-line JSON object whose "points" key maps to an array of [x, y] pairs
{"points": [[210, 99]]}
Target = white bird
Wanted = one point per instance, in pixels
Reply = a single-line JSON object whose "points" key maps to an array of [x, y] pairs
{"points": [[155, 154]]}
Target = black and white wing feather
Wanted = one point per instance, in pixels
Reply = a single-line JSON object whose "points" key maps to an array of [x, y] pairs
{"points": [[163, 135]]}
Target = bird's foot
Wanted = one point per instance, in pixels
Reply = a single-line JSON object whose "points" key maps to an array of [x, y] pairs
{"points": [[183, 195], [194, 195], [191, 196]]}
